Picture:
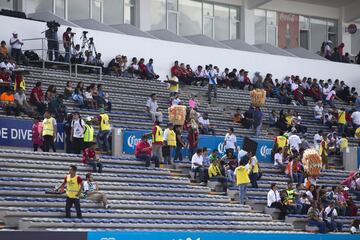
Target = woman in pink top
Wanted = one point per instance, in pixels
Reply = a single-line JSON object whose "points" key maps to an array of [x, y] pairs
{"points": [[192, 103], [36, 134]]}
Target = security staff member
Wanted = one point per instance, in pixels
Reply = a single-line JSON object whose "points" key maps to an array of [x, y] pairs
{"points": [[104, 131], [157, 141], [88, 132], [49, 131], [169, 140]]}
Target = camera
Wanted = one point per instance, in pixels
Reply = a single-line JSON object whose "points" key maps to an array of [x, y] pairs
{"points": [[91, 40], [53, 25], [72, 34], [84, 33]]}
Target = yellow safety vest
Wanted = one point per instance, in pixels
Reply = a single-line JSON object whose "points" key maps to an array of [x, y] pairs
{"points": [[242, 176], [341, 117], [281, 141], [171, 138], [289, 119], [357, 132], [214, 170], [72, 186], [48, 127], [104, 124], [255, 168], [88, 133], [289, 197], [323, 150], [344, 144], [158, 135]]}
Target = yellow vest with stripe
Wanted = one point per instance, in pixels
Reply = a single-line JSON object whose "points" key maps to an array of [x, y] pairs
{"points": [[242, 176], [255, 168], [158, 137], [357, 133], [289, 119], [281, 141], [88, 133], [342, 117], [48, 127], [104, 124], [289, 197], [323, 150], [344, 144], [171, 138], [214, 170], [72, 186]]}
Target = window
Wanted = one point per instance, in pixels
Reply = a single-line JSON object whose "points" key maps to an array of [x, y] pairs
{"points": [[33, 6], [304, 24], [172, 5], [113, 12], [318, 33], [129, 12], [190, 17], [157, 14], [60, 8], [260, 26], [8, 4], [234, 23], [222, 26], [271, 27], [208, 20], [332, 30], [79, 9], [96, 10]]}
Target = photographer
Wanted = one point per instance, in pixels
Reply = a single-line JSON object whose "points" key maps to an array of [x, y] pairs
{"points": [[52, 39], [67, 43]]}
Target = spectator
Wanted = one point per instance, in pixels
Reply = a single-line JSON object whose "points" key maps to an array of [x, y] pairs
{"points": [[142, 68], [193, 140], [214, 170], [237, 117], [103, 98], [294, 142], [254, 170], [330, 215], [230, 141], [173, 84], [49, 131], [318, 111], [88, 132], [315, 218], [102, 137], [273, 118], [16, 45], [223, 79], [98, 61], [169, 143], [198, 167], [19, 81], [37, 98], [150, 74], [299, 96], [179, 143], [278, 158], [204, 124], [90, 158], [92, 192], [78, 95], [341, 121], [355, 117], [200, 76], [355, 226], [4, 52], [77, 133], [36, 134], [77, 55], [74, 185], [143, 152], [330, 97], [152, 109], [274, 201], [235, 80], [242, 180], [57, 108], [89, 99], [115, 65], [212, 83], [294, 170], [67, 35], [257, 121], [324, 151], [288, 199], [7, 98], [21, 103], [346, 58], [69, 90], [4, 79]]}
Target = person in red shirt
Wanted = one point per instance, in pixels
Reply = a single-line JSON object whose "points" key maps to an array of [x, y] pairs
{"points": [[143, 152], [193, 138], [142, 68], [36, 134], [176, 69], [37, 98], [89, 157], [299, 96], [315, 92]]}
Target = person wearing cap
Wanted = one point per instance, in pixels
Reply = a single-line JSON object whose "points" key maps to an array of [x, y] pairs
{"points": [[7, 98], [143, 152], [104, 131], [49, 131], [169, 143], [16, 45], [67, 43], [88, 132]]}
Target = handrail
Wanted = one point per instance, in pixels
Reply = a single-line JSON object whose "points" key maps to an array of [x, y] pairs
{"points": [[88, 66]]}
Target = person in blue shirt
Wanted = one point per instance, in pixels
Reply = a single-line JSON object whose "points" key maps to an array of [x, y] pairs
{"points": [[212, 87], [150, 74]]}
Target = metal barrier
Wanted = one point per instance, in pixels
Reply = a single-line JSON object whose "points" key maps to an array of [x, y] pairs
{"points": [[44, 57]]}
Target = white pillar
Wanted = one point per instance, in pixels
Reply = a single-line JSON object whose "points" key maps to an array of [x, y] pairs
{"points": [[344, 37], [143, 15], [247, 32]]}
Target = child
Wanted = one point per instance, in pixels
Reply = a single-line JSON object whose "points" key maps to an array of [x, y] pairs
{"points": [[36, 134]]}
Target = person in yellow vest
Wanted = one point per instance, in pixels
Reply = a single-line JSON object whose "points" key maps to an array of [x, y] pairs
{"points": [[280, 141], [324, 151], [74, 186], [214, 170], [288, 199], [157, 141], [341, 121], [357, 133], [88, 132], [344, 143], [254, 171], [104, 131], [242, 180], [169, 143], [49, 132]]}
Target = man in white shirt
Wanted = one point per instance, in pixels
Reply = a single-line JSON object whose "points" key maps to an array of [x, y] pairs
{"points": [[212, 86], [330, 214], [21, 103], [204, 124], [77, 133], [16, 45], [330, 97], [197, 165], [153, 110], [230, 141], [317, 139], [274, 201], [294, 142], [318, 111], [278, 158], [355, 116], [91, 191], [76, 55]]}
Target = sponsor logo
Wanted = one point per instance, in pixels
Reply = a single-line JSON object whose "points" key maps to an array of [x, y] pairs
{"points": [[221, 148], [133, 140], [264, 150]]}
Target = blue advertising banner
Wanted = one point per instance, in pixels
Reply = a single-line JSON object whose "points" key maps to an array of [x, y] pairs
{"points": [[212, 236], [18, 133], [263, 152]]}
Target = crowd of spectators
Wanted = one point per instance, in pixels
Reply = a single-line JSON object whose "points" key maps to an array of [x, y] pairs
{"points": [[336, 53]]}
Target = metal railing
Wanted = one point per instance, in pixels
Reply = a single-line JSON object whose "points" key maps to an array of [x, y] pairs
{"points": [[44, 58]]}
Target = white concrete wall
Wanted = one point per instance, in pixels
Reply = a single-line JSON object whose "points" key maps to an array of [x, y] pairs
{"points": [[164, 54]]}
